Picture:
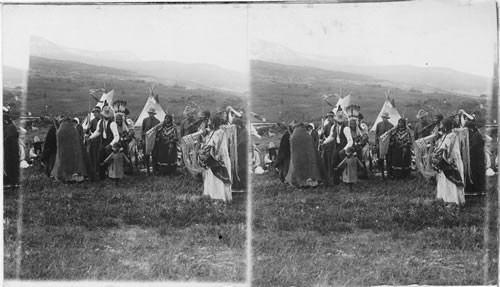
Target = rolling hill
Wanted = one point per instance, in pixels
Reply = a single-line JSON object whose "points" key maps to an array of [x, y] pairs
{"points": [[63, 86], [286, 92], [429, 79], [168, 72]]}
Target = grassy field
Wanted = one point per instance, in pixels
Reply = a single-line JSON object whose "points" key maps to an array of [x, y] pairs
{"points": [[147, 228], [392, 232], [285, 93], [63, 86]]}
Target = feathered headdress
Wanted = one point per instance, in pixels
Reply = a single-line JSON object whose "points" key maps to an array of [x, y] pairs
{"points": [[352, 111], [120, 106]]}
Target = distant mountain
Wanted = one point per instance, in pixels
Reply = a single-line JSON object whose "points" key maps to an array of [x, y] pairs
{"points": [[191, 75], [287, 92], [404, 76]]}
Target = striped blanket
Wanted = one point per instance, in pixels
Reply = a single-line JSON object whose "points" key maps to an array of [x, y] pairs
{"points": [[190, 146], [423, 156]]}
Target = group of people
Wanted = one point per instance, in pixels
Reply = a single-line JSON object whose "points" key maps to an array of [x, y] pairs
{"points": [[340, 150], [109, 148]]}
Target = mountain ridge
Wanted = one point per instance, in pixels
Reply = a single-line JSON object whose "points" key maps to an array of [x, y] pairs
{"points": [[189, 74], [429, 79]]}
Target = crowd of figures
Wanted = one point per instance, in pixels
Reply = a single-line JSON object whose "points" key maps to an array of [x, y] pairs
{"points": [[448, 152], [212, 148]]}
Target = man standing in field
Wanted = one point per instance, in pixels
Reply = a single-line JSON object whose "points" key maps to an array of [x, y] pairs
{"points": [[327, 149], [421, 128], [147, 124], [107, 133], [340, 135], [188, 125], [381, 129], [93, 145]]}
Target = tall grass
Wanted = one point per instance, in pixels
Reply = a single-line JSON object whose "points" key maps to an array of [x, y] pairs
{"points": [[136, 231], [392, 232]]}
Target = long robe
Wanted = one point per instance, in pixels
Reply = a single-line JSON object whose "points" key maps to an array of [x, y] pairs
{"points": [[400, 152], [240, 181], [11, 155], [283, 158], [446, 189], [305, 163], [476, 184], [212, 185], [93, 150], [69, 165], [166, 149], [49, 152]]}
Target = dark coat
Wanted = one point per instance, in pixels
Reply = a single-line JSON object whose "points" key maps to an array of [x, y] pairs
{"points": [[49, 153], [11, 154]]}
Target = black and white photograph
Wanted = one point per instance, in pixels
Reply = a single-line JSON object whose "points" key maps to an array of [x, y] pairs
{"points": [[125, 143], [202, 143], [374, 152]]}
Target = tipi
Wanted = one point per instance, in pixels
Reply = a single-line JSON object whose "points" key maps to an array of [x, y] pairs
{"points": [[106, 98], [344, 102], [152, 102], [389, 108]]}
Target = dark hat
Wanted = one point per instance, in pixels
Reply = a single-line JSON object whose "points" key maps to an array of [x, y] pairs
{"points": [[96, 109]]}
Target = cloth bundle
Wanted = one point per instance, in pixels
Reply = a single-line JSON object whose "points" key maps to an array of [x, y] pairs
{"points": [[232, 136], [384, 144], [423, 156], [190, 146], [463, 139]]}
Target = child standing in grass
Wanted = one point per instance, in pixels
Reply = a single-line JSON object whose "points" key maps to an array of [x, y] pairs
{"points": [[115, 163], [350, 165]]}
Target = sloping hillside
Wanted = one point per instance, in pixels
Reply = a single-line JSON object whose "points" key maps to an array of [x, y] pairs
{"points": [[63, 86], [285, 92]]}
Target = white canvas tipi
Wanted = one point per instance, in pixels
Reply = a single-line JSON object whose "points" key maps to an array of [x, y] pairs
{"points": [[150, 103], [105, 98], [343, 102], [387, 108]]}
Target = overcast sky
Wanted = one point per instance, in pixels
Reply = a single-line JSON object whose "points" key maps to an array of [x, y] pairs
{"points": [[199, 34], [453, 34]]}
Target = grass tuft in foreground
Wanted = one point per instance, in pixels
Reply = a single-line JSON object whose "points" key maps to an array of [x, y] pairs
{"points": [[385, 232], [147, 228]]}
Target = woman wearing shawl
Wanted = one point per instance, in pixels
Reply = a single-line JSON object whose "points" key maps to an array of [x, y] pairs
{"points": [[400, 150], [305, 163], [49, 152], [215, 157], [476, 184], [69, 165], [448, 162], [282, 162], [166, 146]]}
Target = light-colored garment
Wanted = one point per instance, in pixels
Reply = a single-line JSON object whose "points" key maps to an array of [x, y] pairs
{"points": [[115, 163], [350, 166], [190, 144], [447, 190], [213, 186]]}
